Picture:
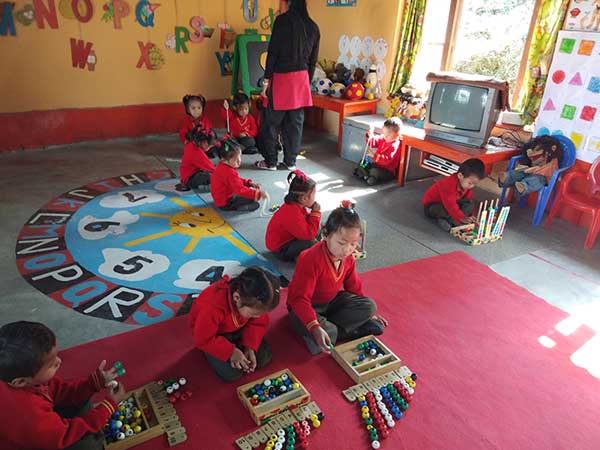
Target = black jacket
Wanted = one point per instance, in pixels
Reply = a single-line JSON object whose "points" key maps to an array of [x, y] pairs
{"points": [[294, 45]]}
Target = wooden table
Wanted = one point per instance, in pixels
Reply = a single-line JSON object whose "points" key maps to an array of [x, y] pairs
{"points": [[343, 108], [416, 138]]}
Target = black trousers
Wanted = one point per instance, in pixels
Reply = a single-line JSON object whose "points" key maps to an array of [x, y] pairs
{"points": [[91, 441], [199, 179], [437, 210], [379, 173], [237, 203], [224, 370], [291, 250], [248, 145], [290, 123]]}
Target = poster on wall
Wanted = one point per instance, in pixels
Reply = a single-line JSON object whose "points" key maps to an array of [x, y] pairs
{"points": [[583, 15], [341, 2], [571, 101]]}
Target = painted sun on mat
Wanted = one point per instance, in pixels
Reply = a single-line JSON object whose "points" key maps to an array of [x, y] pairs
{"points": [[130, 249]]}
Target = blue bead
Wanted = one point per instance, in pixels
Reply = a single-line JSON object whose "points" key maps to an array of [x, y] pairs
{"points": [[362, 403]]}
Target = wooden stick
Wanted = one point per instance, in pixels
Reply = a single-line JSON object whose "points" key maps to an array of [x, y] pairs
{"points": [[479, 212]]}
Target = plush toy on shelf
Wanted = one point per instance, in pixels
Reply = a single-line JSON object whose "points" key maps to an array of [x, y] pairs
{"points": [[358, 75], [324, 86], [355, 91], [337, 90], [372, 86]]}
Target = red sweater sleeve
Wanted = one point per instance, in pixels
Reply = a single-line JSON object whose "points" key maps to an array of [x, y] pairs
{"points": [[305, 228], [77, 391], [254, 332], [448, 195], [301, 290], [205, 330], [183, 130], [242, 188], [387, 155], [352, 282], [41, 427], [374, 141]]}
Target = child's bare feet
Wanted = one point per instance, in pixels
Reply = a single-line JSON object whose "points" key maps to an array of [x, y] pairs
{"points": [[520, 187]]}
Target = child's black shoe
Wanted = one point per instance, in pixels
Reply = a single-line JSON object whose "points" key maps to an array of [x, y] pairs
{"points": [[179, 187]]}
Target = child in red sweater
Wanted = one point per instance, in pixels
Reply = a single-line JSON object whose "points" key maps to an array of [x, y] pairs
{"points": [[196, 168], [294, 227], [40, 410], [325, 297], [229, 321], [384, 160], [194, 108], [242, 124], [229, 191], [450, 200]]}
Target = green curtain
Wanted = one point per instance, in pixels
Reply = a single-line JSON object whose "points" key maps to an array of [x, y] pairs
{"points": [[410, 41], [548, 23]]}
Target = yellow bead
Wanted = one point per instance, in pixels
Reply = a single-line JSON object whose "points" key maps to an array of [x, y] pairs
{"points": [[121, 408], [369, 427], [137, 429], [295, 386], [137, 414], [365, 415], [316, 423], [364, 409], [121, 418], [273, 437], [314, 417], [125, 427], [361, 398]]}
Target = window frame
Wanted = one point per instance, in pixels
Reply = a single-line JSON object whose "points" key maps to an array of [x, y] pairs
{"points": [[454, 16]]}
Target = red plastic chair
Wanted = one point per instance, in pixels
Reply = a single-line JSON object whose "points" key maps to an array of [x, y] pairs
{"points": [[583, 202]]}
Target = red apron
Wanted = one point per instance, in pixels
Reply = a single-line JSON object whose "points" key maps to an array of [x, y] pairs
{"points": [[290, 90]]}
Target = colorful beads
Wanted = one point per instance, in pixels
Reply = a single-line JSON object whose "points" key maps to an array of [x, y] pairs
{"points": [[118, 366], [173, 388], [271, 388], [125, 422]]}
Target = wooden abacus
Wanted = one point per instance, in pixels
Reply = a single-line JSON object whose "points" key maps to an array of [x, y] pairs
{"points": [[263, 412], [489, 226], [282, 420], [348, 356], [158, 415]]}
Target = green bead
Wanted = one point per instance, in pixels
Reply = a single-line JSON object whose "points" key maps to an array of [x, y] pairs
{"points": [[118, 365], [369, 421]]}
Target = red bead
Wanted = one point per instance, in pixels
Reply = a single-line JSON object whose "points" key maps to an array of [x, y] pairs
{"points": [[189, 394], [177, 394], [183, 397], [254, 401], [384, 433], [173, 399]]}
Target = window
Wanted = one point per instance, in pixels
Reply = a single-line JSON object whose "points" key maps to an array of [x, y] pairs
{"points": [[486, 37]]}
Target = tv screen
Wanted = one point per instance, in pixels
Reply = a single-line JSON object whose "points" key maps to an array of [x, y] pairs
{"points": [[458, 106]]}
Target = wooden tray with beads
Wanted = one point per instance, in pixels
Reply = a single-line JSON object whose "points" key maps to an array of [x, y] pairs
{"points": [[158, 417], [261, 435], [265, 410], [347, 356], [353, 392]]}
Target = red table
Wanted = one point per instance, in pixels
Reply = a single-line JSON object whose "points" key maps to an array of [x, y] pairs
{"points": [[343, 108], [415, 138]]}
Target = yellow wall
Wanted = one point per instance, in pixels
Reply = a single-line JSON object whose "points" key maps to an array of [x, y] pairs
{"points": [[375, 18], [41, 77]]}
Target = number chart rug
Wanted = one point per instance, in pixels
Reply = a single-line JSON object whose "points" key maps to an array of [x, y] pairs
{"points": [[130, 248]]}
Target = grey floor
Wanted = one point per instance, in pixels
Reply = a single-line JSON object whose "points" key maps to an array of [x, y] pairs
{"points": [[551, 264]]}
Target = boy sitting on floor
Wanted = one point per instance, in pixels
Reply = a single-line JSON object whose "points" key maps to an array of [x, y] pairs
{"points": [[39, 410], [385, 159], [450, 200]]}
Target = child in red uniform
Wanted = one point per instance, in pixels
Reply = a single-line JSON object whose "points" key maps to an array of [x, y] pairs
{"points": [[242, 125], [194, 108], [385, 159], [450, 200], [293, 228], [230, 191], [196, 168], [40, 410], [325, 297], [229, 321]]}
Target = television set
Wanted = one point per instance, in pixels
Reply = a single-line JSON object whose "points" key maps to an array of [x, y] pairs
{"points": [[462, 111]]}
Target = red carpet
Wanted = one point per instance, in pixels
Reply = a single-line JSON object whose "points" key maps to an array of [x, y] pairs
{"points": [[471, 336]]}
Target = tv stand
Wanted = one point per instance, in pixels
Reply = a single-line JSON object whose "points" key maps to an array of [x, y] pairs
{"points": [[442, 140], [415, 138]]}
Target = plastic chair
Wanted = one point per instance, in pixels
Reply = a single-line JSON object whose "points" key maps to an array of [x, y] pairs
{"points": [[582, 202], [568, 159]]}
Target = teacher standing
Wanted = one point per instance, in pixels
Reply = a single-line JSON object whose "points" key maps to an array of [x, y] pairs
{"points": [[291, 60]]}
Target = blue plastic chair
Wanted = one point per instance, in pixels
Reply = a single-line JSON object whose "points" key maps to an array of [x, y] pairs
{"points": [[544, 195]]}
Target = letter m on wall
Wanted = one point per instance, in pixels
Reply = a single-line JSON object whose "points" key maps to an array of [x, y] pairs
{"points": [[79, 52]]}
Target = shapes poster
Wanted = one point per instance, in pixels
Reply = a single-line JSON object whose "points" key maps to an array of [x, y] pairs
{"points": [[571, 102]]}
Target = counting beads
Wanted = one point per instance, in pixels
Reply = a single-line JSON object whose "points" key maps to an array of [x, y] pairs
{"points": [[118, 366], [271, 388], [125, 422]]}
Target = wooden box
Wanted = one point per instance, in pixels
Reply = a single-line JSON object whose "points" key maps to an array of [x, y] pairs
{"points": [[264, 411], [158, 417], [347, 356]]}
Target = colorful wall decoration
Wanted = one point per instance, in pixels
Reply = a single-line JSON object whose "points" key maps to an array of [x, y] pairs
{"points": [[583, 15], [356, 52], [341, 2], [571, 102]]}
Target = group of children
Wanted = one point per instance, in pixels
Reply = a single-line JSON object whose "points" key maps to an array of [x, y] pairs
{"points": [[229, 319]]}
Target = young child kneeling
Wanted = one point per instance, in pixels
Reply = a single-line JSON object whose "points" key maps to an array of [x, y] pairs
{"points": [[450, 200], [242, 124], [40, 410], [294, 226], [325, 297], [229, 191], [386, 157], [196, 168], [543, 154], [229, 321]]}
